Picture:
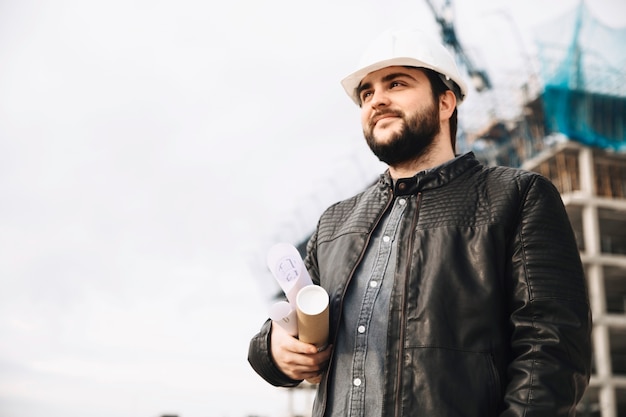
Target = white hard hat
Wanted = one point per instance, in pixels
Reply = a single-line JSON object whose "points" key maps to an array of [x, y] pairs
{"points": [[406, 47]]}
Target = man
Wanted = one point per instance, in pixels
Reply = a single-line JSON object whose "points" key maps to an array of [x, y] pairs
{"points": [[456, 289]]}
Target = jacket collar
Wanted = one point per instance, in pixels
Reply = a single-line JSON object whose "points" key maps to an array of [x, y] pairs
{"points": [[431, 178]]}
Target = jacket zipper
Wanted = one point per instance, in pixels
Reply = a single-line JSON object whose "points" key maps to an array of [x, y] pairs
{"points": [[356, 265], [398, 407], [345, 288]]}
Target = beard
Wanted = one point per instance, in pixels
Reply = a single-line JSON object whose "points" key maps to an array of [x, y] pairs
{"points": [[411, 142]]}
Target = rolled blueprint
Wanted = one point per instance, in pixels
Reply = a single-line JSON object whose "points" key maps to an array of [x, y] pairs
{"points": [[285, 263], [313, 319], [284, 314]]}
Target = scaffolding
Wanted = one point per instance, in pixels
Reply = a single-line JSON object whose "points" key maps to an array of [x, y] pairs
{"points": [[581, 95]]}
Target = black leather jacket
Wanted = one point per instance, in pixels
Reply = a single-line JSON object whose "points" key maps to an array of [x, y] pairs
{"points": [[489, 313]]}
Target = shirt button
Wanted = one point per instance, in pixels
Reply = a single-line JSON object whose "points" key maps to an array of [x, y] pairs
{"points": [[402, 201], [386, 239], [373, 284], [361, 329], [357, 382]]}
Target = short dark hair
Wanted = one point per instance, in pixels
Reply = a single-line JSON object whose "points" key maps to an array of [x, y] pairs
{"points": [[438, 88]]}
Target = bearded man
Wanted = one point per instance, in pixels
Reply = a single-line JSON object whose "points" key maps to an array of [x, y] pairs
{"points": [[455, 289]]}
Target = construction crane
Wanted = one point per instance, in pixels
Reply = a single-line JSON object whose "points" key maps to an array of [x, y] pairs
{"points": [[445, 19]]}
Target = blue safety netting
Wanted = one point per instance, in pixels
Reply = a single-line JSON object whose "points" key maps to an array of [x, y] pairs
{"points": [[583, 70]]}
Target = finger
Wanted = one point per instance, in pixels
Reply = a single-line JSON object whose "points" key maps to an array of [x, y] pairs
{"points": [[314, 379], [311, 375], [299, 372], [324, 355], [291, 343]]}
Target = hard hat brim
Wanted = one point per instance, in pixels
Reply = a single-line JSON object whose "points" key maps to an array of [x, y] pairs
{"points": [[352, 82]]}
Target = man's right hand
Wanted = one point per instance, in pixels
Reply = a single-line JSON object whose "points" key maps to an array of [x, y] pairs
{"points": [[296, 359]]}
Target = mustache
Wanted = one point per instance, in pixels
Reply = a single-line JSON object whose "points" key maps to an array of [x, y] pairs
{"points": [[383, 113]]}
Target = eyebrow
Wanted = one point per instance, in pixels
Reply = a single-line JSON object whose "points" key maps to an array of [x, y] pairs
{"points": [[386, 78]]}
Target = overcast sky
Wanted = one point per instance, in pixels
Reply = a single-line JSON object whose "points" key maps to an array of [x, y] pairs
{"points": [[150, 153]]}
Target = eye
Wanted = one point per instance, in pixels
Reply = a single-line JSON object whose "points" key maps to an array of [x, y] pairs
{"points": [[395, 84], [365, 94]]}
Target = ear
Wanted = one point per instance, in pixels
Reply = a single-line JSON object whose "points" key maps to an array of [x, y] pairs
{"points": [[447, 104]]}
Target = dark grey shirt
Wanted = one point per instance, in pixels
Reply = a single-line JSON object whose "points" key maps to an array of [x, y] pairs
{"points": [[356, 389]]}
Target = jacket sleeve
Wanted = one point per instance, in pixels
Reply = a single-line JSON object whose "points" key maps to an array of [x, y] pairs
{"points": [[260, 358], [259, 351], [550, 315], [310, 261]]}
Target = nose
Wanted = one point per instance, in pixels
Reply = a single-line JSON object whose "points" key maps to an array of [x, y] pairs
{"points": [[379, 98]]}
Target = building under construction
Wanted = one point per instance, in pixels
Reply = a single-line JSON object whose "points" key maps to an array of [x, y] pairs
{"points": [[571, 128]]}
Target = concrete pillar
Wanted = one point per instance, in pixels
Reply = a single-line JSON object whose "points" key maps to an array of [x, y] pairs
{"points": [[595, 279]]}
